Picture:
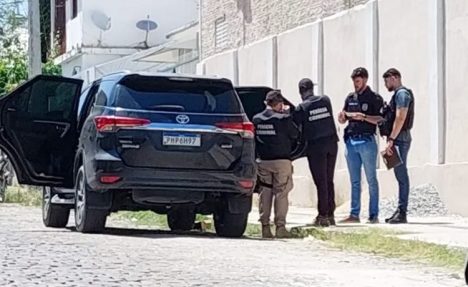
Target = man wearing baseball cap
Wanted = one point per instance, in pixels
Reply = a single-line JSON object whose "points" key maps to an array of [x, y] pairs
{"points": [[275, 132], [315, 116]]}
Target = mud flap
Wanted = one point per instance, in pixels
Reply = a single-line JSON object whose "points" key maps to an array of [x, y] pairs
{"points": [[99, 200], [238, 204]]}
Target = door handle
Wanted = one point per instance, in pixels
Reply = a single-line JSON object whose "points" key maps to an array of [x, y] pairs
{"points": [[11, 110]]}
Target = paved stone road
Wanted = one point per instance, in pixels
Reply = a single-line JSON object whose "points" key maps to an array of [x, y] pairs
{"points": [[31, 255]]}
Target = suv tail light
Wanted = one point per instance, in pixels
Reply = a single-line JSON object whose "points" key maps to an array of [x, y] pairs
{"points": [[246, 184], [246, 129], [112, 123]]}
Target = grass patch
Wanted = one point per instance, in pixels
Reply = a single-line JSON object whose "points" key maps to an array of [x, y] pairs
{"points": [[24, 195], [152, 219], [149, 218], [385, 243], [144, 218]]}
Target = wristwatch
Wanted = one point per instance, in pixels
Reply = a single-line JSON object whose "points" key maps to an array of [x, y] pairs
{"points": [[390, 139]]}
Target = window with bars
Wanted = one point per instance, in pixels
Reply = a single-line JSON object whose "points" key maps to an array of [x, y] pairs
{"points": [[221, 32]]}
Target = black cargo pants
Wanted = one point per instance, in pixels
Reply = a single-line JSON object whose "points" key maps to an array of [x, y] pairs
{"points": [[322, 161]]}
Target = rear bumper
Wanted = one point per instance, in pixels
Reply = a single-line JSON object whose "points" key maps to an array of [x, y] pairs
{"points": [[168, 180]]}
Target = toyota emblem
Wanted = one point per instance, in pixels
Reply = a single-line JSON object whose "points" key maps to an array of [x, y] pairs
{"points": [[183, 119]]}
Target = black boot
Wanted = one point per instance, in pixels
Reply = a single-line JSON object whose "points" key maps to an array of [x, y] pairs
{"points": [[395, 214], [321, 221], [399, 218]]}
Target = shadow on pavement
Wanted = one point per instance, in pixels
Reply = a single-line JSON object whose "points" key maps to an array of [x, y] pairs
{"points": [[163, 234], [430, 223]]}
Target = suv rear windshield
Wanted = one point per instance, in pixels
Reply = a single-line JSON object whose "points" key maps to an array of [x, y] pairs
{"points": [[176, 95]]}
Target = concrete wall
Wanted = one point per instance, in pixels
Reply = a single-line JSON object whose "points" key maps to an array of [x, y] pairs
{"points": [[252, 20], [223, 65], [302, 41], [402, 45], [257, 64], [427, 43], [457, 71]]}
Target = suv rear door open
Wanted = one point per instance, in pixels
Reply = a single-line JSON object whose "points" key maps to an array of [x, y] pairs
{"points": [[253, 100], [38, 129]]}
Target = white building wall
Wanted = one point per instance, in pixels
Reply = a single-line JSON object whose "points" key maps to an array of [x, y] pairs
{"points": [[74, 32], [123, 14]]}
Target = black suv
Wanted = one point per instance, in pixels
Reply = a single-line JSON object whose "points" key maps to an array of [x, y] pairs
{"points": [[173, 144]]}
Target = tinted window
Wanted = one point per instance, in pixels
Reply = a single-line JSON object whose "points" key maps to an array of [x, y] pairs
{"points": [[253, 100], [177, 95], [105, 90], [83, 96], [51, 100]]}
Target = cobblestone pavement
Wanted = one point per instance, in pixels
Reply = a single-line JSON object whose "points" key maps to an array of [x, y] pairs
{"points": [[31, 255]]}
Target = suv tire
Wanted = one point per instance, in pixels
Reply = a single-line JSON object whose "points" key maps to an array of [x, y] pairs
{"points": [[181, 218], [229, 224], [86, 220], [466, 272], [53, 215]]}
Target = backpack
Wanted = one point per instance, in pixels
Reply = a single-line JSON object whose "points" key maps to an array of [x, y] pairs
{"points": [[389, 114]]}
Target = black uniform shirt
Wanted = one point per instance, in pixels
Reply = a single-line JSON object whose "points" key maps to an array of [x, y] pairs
{"points": [[368, 103], [275, 133], [315, 115]]}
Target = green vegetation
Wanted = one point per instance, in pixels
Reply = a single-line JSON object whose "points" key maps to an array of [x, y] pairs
{"points": [[13, 47], [28, 196], [377, 241]]}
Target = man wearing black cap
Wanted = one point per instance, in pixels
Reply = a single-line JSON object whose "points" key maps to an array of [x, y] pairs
{"points": [[401, 121], [315, 116], [362, 111], [275, 132]]}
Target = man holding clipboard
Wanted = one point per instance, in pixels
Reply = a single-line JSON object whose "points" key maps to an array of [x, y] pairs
{"points": [[398, 122]]}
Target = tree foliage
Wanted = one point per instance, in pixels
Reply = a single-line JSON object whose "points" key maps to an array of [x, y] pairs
{"points": [[13, 48]]}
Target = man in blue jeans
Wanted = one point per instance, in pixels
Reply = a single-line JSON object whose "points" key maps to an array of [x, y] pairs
{"points": [[362, 111], [402, 110]]}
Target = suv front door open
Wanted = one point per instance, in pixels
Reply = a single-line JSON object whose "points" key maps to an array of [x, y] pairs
{"points": [[38, 129]]}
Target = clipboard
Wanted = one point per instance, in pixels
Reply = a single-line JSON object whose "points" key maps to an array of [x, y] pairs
{"points": [[392, 161]]}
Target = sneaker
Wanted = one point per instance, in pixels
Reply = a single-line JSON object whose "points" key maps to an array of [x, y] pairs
{"points": [[400, 218], [351, 219], [266, 231], [373, 220], [282, 232], [321, 221]]}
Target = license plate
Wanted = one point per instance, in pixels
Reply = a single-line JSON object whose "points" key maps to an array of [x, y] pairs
{"points": [[181, 140]]}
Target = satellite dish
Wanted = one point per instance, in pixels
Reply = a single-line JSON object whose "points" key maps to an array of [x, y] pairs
{"points": [[102, 21], [146, 25]]}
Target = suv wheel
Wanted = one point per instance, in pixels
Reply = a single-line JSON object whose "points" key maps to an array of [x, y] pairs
{"points": [[181, 218], [466, 272], [53, 215], [86, 220], [229, 224]]}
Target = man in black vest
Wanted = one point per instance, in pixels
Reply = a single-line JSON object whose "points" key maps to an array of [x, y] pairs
{"points": [[402, 108], [275, 132], [315, 116], [362, 111]]}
